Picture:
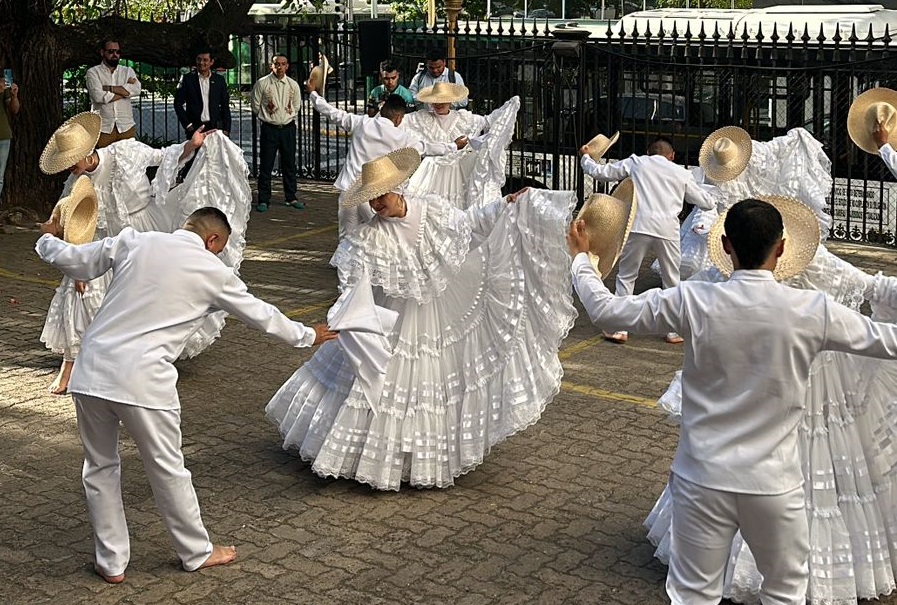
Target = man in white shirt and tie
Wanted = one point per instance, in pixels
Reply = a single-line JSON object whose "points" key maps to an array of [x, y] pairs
{"points": [[111, 87], [275, 98], [372, 138], [660, 188], [749, 343], [163, 284]]}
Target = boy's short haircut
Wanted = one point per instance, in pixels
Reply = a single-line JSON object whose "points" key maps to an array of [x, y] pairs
{"points": [[436, 54], [393, 106], [388, 66], [660, 146], [753, 227]]}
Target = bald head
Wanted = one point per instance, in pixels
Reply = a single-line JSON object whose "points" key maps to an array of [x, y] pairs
{"points": [[211, 225], [661, 147]]}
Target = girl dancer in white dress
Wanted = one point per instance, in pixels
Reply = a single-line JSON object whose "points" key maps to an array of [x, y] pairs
{"points": [[469, 177], [847, 436], [126, 197], [483, 301]]}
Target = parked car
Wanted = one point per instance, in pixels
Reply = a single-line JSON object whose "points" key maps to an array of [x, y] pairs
{"points": [[541, 13]]}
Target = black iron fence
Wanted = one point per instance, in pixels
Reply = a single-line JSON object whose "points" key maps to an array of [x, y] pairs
{"points": [[682, 85]]}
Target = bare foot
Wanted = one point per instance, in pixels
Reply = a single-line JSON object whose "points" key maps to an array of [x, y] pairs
{"points": [[61, 384], [221, 555], [111, 579]]}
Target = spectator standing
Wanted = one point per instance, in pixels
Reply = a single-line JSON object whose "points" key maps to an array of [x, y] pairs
{"points": [[201, 98], [111, 87], [9, 105], [436, 71], [275, 98], [389, 78]]}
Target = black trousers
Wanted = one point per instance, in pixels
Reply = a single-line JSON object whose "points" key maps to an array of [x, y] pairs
{"points": [[276, 139]]}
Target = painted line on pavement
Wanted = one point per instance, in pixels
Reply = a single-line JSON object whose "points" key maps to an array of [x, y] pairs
{"points": [[4, 273], [280, 240], [602, 394], [568, 352]]}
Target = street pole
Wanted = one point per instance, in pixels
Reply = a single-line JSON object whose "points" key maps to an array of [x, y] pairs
{"points": [[452, 8]]}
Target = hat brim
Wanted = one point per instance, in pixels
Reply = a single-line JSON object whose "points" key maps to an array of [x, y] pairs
{"points": [[802, 238], [318, 76], [609, 220], [459, 93], [720, 173], [858, 130], [52, 160], [599, 145], [406, 162], [77, 212]]}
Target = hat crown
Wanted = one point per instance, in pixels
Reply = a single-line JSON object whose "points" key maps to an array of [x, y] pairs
{"points": [[442, 88], [881, 112], [378, 170], [70, 137], [725, 151]]}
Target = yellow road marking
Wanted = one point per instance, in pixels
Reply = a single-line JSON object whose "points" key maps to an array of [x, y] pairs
{"points": [[32, 280], [280, 240], [602, 394], [308, 310], [568, 352]]}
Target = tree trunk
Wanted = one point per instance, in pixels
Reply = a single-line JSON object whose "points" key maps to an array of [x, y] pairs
{"points": [[38, 51]]}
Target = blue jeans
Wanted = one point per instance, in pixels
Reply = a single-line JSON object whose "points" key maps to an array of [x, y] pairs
{"points": [[4, 155]]}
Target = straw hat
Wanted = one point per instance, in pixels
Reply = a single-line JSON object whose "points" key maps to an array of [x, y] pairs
{"points": [[318, 76], [801, 238], [608, 220], [71, 143], [382, 176], [77, 212], [600, 144], [443, 92], [866, 111], [725, 153]]}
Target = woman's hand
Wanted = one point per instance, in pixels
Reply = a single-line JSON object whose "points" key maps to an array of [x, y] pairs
{"points": [[80, 287]]}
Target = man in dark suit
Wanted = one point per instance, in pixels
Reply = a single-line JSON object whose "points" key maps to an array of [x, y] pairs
{"points": [[201, 98]]}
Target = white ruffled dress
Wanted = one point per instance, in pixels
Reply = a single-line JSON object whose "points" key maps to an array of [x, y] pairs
{"points": [[468, 177], [848, 455], [791, 165], [127, 198], [474, 351]]}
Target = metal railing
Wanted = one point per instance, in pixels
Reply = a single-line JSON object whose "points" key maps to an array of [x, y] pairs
{"points": [[682, 85]]}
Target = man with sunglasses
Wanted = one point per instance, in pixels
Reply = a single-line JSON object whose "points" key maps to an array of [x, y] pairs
{"points": [[111, 88]]}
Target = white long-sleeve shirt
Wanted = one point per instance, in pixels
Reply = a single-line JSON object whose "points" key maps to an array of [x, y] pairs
{"points": [[660, 188], [371, 139], [163, 284], [889, 156], [749, 343], [113, 113]]}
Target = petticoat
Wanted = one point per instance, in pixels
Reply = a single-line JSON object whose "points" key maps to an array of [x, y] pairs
{"points": [[70, 313]]}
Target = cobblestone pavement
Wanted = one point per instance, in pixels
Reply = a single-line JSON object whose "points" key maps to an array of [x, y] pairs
{"points": [[552, 516]]}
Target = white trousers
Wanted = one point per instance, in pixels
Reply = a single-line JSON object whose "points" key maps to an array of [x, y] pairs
{"points": [[634, 252], [157, 434], [705, 522]]}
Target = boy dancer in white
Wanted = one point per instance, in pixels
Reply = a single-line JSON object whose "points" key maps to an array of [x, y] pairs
{"points": [[372, 138], [660, 187], [749, 345], [163, 284]]}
